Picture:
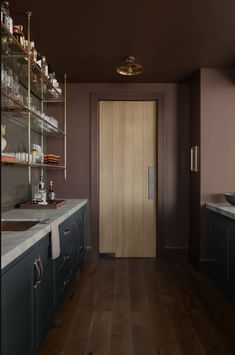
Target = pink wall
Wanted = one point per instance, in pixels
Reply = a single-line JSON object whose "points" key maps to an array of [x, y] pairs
{"points": [[175, 151], [217, 137]]}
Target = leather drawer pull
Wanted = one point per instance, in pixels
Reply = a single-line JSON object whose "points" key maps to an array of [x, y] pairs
{"points": [[67, 280], [67, 257], [66, 232]]}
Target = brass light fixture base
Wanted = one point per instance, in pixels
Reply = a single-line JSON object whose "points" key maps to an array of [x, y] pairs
{"points": [[130, 67]]}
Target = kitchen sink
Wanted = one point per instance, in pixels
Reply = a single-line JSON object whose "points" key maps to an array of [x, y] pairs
{"points": [[17, 226]]}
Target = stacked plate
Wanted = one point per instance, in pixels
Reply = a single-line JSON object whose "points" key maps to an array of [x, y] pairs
{"points": [[51, 159]]}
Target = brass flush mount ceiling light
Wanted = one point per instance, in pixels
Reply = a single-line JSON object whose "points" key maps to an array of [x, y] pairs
{"points": [[130, 67]]}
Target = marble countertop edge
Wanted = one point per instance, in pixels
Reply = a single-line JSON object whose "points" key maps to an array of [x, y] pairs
{"points": [[222, 208]]}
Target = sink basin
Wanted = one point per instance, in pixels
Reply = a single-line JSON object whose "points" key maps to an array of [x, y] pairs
{"points": [[17, 226]]}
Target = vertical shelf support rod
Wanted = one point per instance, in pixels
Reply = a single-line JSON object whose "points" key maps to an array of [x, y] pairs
{"points": [[65, 126], [29, 15], [42, 126]]}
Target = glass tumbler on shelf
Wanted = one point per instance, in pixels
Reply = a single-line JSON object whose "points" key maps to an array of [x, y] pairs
{"points": [[9, 80], [16, 89], [3, 78]]}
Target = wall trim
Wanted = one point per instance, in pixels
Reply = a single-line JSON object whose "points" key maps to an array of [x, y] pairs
{"points": [[125, 96]]}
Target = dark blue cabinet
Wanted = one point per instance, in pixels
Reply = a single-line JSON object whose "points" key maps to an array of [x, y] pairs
{"points": [[17, 306], [65, 262], [72, 252], [35, 286], [221, 252], [231, 256], [28, 301]]}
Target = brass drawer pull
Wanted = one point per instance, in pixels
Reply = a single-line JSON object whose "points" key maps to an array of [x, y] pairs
{"points": [[41, 268], [38, 273], [66, 232]]}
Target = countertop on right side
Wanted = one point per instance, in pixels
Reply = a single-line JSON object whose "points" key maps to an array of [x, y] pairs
{"points": [[223, 208]]}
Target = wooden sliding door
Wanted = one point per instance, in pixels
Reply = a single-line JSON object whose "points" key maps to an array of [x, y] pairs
{"points": [[127, 178]]}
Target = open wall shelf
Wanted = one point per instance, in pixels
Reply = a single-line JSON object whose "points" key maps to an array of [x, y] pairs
{"points": [[25, 93]]}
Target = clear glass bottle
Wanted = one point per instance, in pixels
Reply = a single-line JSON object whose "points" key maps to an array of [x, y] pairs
{"points": [[51, 193], [42, 192], [33, 52], [44, 66], [39, 60]]}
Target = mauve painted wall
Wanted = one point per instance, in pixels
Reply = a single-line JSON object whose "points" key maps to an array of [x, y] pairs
{"points": [[217, 138], [175, 151]]}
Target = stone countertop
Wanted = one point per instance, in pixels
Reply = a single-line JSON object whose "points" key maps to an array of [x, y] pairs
{"points": [[223, 208], [16, 243]]}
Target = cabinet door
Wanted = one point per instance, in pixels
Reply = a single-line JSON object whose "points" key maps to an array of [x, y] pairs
{"points": [[82, 235], [218, 239], [64, 278], [17, 304], [81, 231], [45, 292], [232, 256]]}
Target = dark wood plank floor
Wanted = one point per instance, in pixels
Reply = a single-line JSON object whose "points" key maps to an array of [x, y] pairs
{"points": [[142, 307]]}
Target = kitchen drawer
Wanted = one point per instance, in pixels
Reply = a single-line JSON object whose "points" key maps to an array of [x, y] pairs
{"points": [[66, 256], [67, 231], [64, 282]]}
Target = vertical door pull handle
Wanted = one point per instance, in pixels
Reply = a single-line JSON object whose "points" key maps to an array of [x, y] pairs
{"points": [[151, 183], [194, 159]]}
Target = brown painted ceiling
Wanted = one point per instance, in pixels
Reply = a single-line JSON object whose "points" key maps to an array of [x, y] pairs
{"points": [[88, 39]]}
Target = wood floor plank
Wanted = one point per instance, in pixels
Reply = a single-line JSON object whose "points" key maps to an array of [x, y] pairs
{"points": [[98, 342], [121, 339], [104, 285], [186, 335]]}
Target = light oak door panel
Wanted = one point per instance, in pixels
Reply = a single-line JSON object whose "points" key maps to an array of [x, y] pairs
{"points": [[127, 217]]}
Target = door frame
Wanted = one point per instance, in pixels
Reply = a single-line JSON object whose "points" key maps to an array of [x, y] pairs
{"points": [[96, 97]]}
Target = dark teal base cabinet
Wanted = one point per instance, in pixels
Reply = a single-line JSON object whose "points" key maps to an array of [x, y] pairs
{"points": [[28, 301], [17, 304], [221, 252], [72, 252], [34, 286]]}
